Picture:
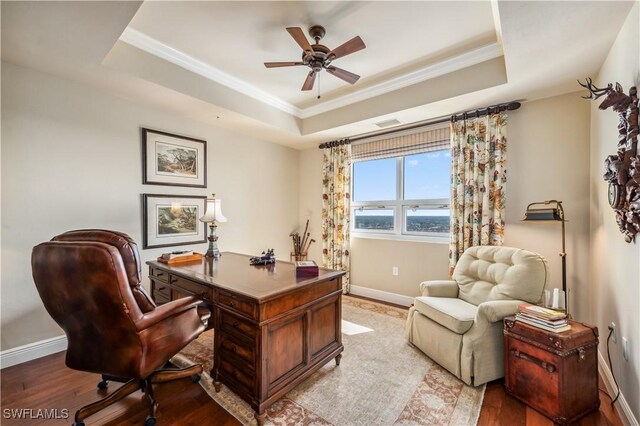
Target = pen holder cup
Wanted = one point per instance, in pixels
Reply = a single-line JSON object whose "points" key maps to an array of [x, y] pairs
{"points": [[298, 256]]}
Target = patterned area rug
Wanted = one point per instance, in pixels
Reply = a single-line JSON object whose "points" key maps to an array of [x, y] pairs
{"points": [[380, 381]]}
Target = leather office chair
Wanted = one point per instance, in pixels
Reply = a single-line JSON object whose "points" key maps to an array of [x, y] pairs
{"points": [[89, 282]]}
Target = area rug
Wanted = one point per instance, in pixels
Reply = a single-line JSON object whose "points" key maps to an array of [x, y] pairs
{"points": [[380, 381]]}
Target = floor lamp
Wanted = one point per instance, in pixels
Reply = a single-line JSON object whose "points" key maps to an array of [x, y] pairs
{"points": [[551, 211]]}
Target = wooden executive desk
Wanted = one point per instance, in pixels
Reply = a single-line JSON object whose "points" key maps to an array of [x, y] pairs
{"points": [[272, 330]]}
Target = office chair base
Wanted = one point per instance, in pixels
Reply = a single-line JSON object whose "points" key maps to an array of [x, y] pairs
{"points": [[132, 385]]}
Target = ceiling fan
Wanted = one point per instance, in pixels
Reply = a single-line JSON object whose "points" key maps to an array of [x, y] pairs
{"points": [[319, 57]]}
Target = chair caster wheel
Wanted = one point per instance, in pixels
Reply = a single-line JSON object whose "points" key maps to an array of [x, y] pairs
{"points": [[103, 385], [151, 421], [195, 378], [78, 424]]}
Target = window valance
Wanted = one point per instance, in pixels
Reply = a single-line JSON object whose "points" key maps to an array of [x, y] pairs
{"points": [[432, 139]]}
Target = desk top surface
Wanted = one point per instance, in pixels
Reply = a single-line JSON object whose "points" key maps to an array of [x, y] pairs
{"points": [[234, 273]]}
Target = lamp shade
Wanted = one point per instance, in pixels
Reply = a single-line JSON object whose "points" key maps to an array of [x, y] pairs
{"points": [[213, 211], [547, 211], [542, 214]]}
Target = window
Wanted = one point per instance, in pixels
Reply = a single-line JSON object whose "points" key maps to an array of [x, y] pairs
{"points": [[405, 194]]}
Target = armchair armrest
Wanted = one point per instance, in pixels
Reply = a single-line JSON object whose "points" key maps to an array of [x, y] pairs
{"points": [[439, 288], [167, 310], [497, 310]]}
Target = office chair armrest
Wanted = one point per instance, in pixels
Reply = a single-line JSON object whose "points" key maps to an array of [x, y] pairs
{"points": [[167, 310], [497, 310], [439, 288]]}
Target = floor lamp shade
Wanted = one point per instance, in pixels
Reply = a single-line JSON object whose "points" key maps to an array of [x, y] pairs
{"points": [[551, 211]]}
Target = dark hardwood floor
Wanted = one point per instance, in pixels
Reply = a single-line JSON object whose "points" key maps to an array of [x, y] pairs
{"points": [[46, 383]]}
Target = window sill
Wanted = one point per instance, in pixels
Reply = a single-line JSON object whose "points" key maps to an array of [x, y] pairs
{"points": [[396, 237]]}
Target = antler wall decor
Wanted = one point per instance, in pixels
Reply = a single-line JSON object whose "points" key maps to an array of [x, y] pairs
{"points": [[622, 170]]}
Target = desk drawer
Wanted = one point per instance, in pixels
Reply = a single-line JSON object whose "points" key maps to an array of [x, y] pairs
{"points": [[241, 377], [158, 274], [244, 351], [240, 305], [235, 325], [160, 289], [191, 287]]}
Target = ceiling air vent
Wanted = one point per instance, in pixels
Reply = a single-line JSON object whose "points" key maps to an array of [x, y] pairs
{"points": [[388, 123]]}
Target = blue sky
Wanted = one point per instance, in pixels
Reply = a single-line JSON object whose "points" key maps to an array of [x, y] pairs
{"points": [[426, 176]]}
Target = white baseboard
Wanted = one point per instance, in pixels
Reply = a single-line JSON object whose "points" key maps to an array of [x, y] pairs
{"points": [[621, 406], [32, 351], [385, 296]]}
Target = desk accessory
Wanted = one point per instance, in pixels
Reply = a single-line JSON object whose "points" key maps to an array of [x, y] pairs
{"points": [[306, 268], [212, 215], [181, 259], [266, 258], [177, 254], [301, 243]]}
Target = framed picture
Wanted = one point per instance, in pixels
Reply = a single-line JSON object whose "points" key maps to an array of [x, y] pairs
{"points": [[172, 220], [174, 160]]}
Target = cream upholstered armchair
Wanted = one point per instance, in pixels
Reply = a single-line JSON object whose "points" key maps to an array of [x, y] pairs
{"points": [[458, 323]]}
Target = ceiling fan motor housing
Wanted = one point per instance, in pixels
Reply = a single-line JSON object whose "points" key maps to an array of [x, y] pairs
{"points": [[317, 61], [317, 32]]}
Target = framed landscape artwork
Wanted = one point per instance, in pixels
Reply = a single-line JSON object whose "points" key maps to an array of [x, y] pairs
{"points": [[174, 160], [172, 220]]}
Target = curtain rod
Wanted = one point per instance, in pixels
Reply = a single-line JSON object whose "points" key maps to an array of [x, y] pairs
{"points": [[480, 112]]}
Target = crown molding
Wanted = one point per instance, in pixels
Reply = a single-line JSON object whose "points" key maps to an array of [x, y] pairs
{"points": [[168, 53], [455, 63]]}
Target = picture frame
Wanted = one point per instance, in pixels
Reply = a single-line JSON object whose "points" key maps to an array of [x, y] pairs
{"points": [[172, 220], [174, 160]]}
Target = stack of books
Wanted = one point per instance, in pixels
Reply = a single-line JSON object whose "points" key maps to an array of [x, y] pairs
{"points": [[544, 318]]}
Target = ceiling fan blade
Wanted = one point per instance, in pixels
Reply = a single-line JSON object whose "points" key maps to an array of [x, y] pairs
{"points": [[282, 64], [347, 76], [300, 38], [308, 83], [347, 48]]}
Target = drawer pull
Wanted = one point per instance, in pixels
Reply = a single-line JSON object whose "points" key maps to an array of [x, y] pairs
{"points": [[236, 324], [159, 274], [234, 349], [173, 280], [232, 303], [161, 288], [549, 367]]}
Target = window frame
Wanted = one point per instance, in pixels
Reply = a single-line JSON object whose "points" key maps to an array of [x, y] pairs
{"points": [[399, 207]]}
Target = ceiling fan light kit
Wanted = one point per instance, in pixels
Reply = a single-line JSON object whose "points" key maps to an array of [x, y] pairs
{"points": [[319, 57]]}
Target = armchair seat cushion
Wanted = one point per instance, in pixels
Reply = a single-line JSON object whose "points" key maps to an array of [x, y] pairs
{"points": [[452, 313]]}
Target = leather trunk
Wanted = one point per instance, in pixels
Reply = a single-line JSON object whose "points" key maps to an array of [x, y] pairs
{"points": [[554, 373]]}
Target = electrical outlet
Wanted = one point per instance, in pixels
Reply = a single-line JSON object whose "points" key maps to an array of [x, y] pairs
{"points": [[612, 327], [394, 271], [625, 348]]}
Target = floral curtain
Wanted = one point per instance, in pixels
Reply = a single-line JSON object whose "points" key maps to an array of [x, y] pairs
{"points": [[336, 213], [478, 178]]}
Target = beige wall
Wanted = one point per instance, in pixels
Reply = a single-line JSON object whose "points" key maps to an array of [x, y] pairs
{"points": [[543, 135], [548, 158], [615, 265], [71, 158]]}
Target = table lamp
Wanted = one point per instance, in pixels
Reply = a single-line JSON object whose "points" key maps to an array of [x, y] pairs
{"points": [[213, 214], [551, 211]]}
